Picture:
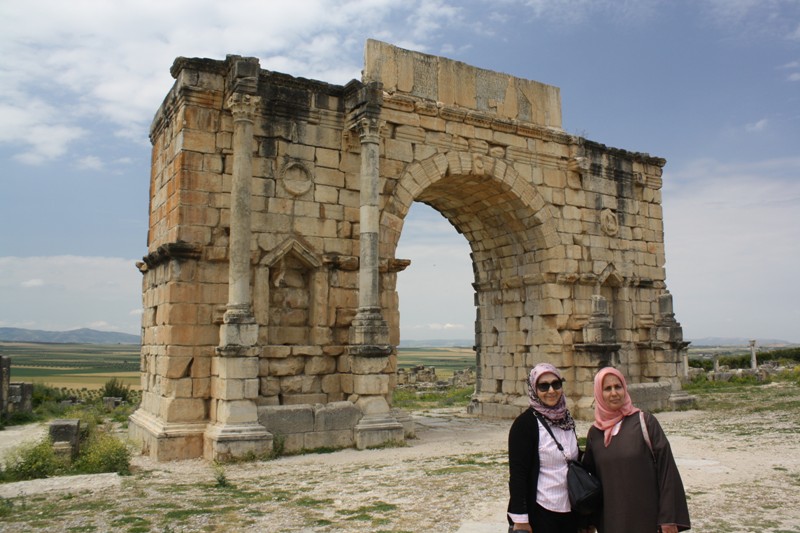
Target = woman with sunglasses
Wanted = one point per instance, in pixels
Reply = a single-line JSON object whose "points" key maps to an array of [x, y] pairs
{"points": [[538, 470], [627, 449]]}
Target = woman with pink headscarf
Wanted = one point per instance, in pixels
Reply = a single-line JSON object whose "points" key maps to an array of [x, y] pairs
{"points": [[642, 488], [538, 469]]}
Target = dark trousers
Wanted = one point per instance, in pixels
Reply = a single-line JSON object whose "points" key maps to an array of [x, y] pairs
{"points": [[544, 521]]}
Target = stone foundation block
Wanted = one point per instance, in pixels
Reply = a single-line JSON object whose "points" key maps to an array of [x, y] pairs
{"points": [[343, 438], [296, 399], [287, 419], [336, 416]]}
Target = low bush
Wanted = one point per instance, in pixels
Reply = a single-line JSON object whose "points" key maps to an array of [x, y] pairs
{"points": [[99, 451], [33, 461], [115, 388], [104, 453]]}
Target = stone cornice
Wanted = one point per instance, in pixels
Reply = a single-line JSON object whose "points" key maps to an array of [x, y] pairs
{"points": [[175, 250]]}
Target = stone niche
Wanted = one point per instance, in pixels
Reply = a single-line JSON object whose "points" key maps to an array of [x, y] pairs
{"points": [[276, 206]]}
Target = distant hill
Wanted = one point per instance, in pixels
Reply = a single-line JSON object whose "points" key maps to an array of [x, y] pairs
{"points": [[75, 336], [737, 341]]}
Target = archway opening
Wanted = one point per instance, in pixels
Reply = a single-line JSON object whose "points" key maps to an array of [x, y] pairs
{"points": [[436, 298]]}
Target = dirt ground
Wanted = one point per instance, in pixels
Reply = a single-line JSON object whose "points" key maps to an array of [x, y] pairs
{"points": [[739, 458]]}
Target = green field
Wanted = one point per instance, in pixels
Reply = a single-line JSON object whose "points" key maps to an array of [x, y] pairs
{"points": [[73, 365], [445, 360], [91, 365]]}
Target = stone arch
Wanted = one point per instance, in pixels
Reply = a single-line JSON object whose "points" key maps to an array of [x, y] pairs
{"points": [[508, 226], [423, 179]]}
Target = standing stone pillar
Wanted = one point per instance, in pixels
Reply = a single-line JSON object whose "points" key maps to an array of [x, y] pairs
{"points": [[5, 382], [235, 430], [369, 329], [753, 358], [369, 334]]}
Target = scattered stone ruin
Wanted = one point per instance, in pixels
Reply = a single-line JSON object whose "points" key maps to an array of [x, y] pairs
{"points": [[424, 377], [15, 397], [65, 436], [417, 374], [276, 206]]}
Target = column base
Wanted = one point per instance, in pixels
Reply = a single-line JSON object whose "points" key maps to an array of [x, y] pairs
{"points": [[166, 441], [405, 420], [224, 442], [374, 431]]}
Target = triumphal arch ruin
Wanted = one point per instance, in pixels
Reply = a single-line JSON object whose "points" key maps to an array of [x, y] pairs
{"points": [[276, 206]]}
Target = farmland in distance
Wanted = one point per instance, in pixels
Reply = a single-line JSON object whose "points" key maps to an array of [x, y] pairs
{"points": [[446, 360], [73, 365], [91, 365]]}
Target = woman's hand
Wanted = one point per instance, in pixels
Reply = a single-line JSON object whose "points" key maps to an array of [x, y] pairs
{"points": [[520, 526], [669, 528]]}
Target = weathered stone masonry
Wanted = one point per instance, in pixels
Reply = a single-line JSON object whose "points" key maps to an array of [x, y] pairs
{"points": [[276, 207]]}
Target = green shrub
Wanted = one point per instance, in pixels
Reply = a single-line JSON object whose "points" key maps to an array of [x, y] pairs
{"points": [[43, 393], [33, 461], [103, 452], [6, 507], [115, 388]]}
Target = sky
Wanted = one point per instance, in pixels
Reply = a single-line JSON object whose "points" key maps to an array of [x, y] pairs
{"points": [[712, 86]]}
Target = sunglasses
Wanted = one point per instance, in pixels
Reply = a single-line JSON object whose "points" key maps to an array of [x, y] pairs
{"points": [[545, 386]]}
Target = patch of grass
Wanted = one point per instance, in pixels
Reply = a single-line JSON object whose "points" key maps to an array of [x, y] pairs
{"points": [[448, 470], [220, 477], [6, 507], [388, 444], [307, 501], [450, 397], [365, 511], [183, 514], [130, 520]]}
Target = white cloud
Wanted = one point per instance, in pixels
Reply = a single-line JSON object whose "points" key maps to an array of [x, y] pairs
{"points": [[581, 11], [757, 126], [731, 232], [439, 327], [74, 292], [109, 61], [90, 162], [749, 19], [795, 35]]}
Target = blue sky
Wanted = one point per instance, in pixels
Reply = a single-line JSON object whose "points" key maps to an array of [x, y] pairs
{"points": [[713, 86]]}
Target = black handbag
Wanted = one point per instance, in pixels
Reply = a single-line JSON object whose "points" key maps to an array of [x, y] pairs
{"points": [[584, 488]]}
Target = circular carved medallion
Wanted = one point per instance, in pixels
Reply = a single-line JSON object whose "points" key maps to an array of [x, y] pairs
{"points": [[296, 179], [608, 222]]}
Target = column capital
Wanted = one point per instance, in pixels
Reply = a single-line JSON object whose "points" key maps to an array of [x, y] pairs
{"points": [[369, 129], [243, 106]]}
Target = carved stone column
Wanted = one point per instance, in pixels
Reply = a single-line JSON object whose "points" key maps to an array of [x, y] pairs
{"points": [[369, 334], [239, 311], [369, 330], [235, 431]]}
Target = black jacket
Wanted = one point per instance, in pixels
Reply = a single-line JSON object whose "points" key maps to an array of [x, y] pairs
{"points": [[523, 463]]}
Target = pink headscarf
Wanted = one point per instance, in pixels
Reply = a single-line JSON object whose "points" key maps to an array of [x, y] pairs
{"points": [[604, 418]]}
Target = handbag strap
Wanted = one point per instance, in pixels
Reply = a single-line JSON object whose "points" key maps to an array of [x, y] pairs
{"points": [[547, 427], [646, 435]]}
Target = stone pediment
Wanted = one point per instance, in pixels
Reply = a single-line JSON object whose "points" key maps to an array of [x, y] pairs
{"points": [[297, 249]]}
